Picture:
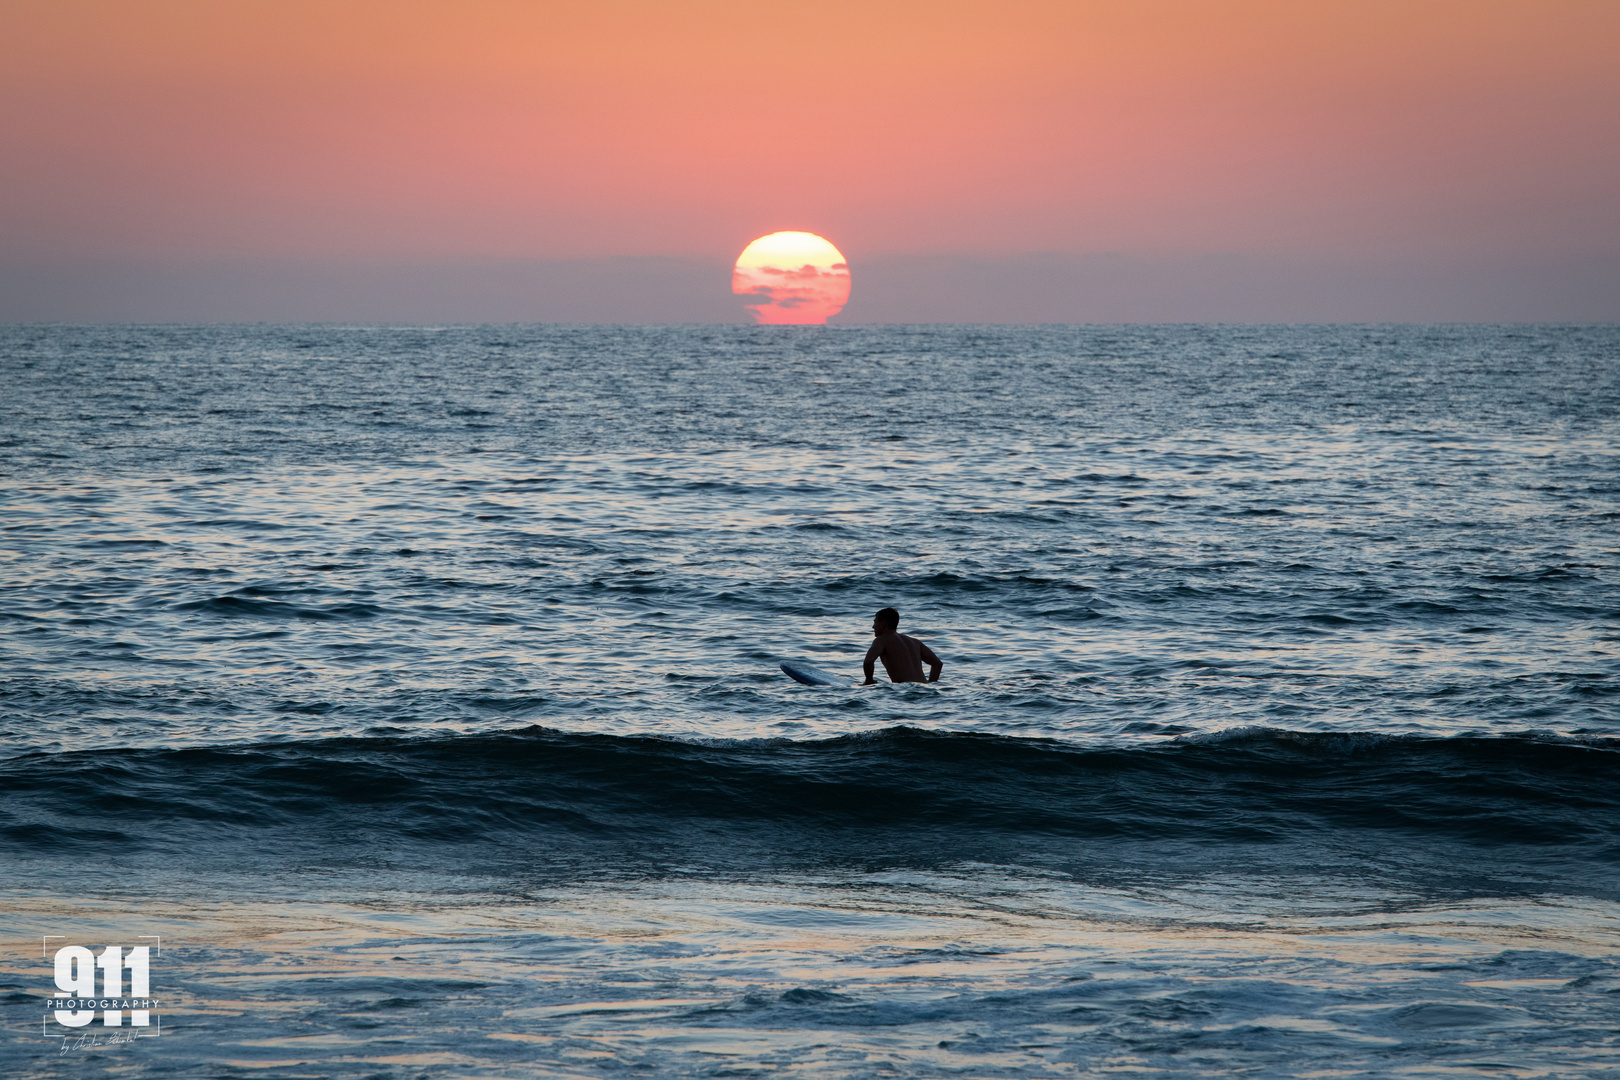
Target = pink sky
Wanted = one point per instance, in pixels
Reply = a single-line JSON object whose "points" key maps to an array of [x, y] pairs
{"points": [[1450, 132]]}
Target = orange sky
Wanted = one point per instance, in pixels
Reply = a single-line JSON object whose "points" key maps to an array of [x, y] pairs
{"points": [[284, 128]]}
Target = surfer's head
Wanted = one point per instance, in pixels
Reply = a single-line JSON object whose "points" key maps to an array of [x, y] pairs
{"points": [[885, 621]]}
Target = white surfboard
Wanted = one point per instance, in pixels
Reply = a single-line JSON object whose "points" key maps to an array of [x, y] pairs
{"points": [[812, 676]]}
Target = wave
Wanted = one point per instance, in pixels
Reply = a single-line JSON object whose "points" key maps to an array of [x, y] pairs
{"points": [[251, 607], [900, 796]]}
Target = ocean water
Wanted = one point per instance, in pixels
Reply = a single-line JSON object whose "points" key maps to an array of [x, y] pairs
{"points": [[415, 693]]}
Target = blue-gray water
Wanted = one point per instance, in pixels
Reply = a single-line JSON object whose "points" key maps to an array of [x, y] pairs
{"points": [[420, 687]]}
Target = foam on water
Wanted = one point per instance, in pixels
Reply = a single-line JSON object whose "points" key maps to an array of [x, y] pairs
{"points": [[982, 972]]}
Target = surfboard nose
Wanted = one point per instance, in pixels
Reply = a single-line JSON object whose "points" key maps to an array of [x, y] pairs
{"points": [[810, 676]]}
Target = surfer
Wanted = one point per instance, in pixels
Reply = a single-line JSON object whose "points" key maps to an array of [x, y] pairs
{"points": [[902, 656]]}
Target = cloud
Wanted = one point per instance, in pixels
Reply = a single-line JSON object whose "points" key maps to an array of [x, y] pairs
{"points": [[807, 294], [1095, 288]]}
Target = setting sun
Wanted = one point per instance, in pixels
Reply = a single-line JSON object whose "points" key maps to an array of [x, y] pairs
{"points": [[797, 277]]}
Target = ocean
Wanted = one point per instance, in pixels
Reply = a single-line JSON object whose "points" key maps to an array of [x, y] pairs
{"points": [[413, 695]]}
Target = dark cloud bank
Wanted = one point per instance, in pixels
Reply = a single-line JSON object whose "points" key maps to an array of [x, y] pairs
{"points": [[892, 289]]}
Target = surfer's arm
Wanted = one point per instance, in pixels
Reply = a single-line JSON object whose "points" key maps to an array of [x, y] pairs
{"points": [[935, 664], [871, 659]]}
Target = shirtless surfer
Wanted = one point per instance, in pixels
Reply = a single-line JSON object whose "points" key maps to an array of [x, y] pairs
{"points": [[902, 656]]}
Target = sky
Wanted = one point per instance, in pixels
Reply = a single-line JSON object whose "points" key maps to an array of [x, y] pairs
{"points": [[1234, 160]]}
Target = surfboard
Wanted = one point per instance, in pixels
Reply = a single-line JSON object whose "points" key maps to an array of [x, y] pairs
{"points": [[812, 676]]}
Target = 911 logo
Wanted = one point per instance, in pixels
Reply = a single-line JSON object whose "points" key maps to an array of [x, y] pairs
{"points": [[76, 1003]]}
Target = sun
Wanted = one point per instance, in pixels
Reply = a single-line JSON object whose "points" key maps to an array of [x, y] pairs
{"points": [[798, 277]]}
